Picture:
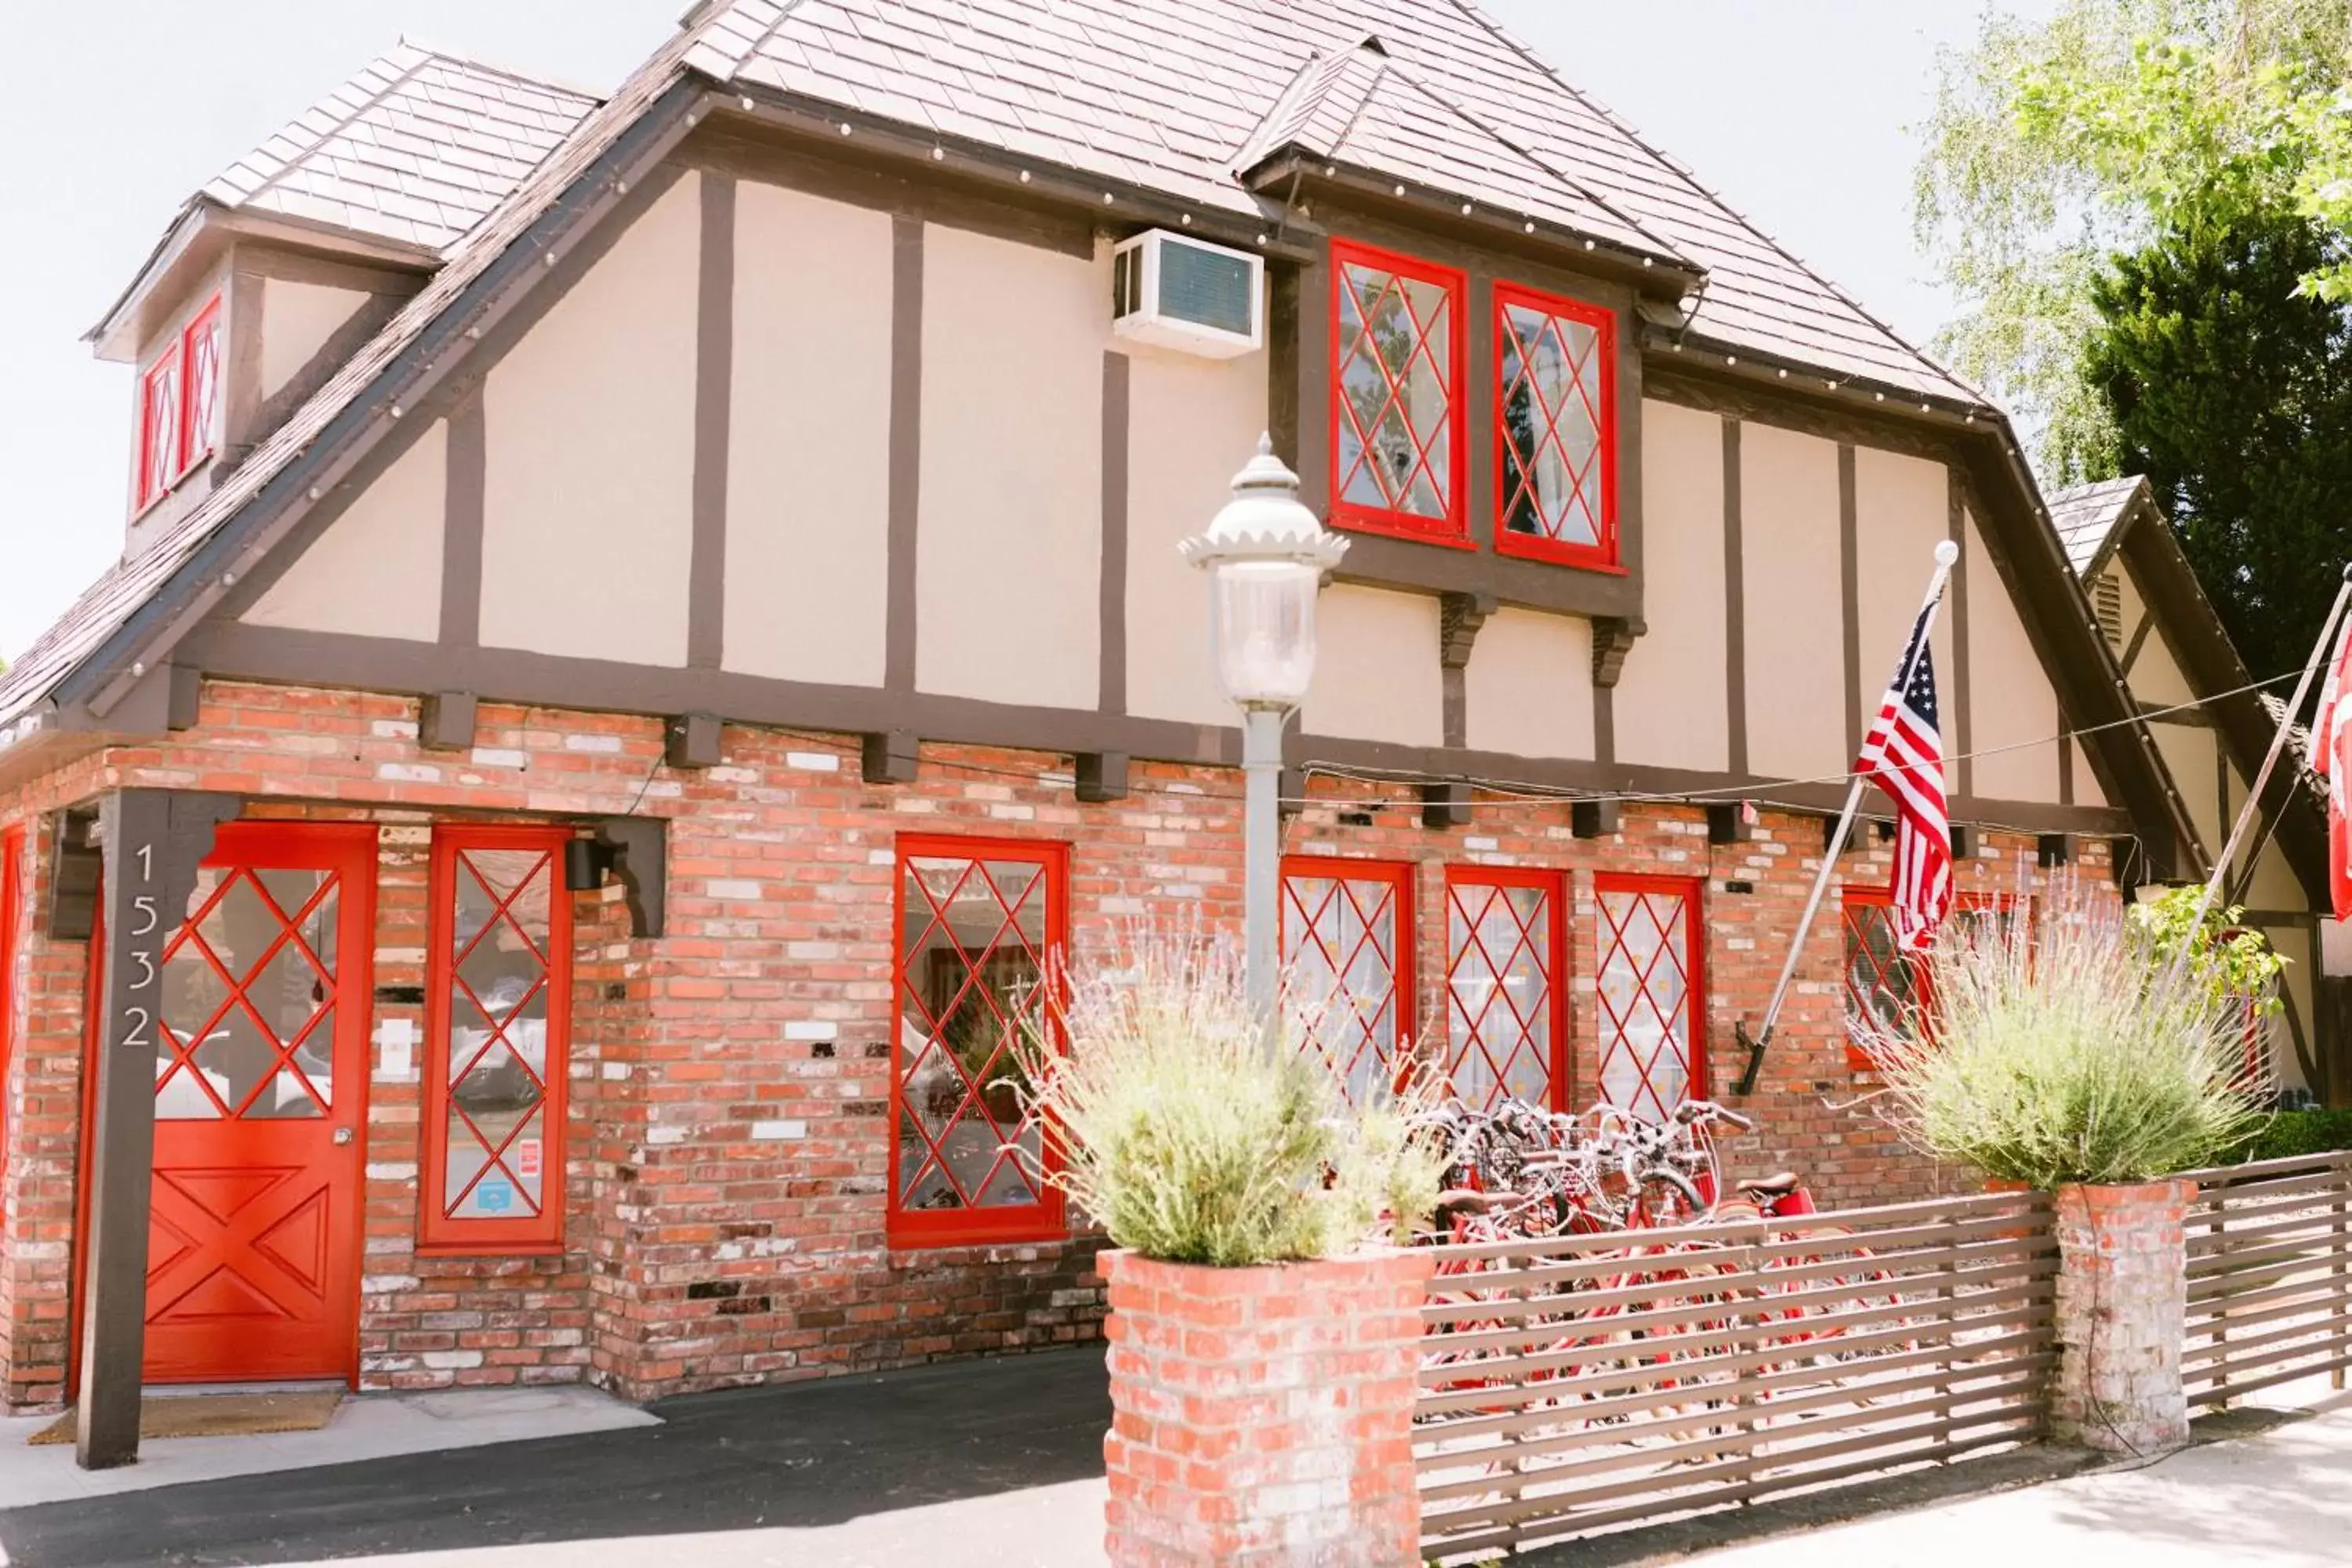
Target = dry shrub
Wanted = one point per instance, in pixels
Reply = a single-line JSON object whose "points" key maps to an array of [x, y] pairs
{"points": [[1195, 1129], [2065, 1050]]}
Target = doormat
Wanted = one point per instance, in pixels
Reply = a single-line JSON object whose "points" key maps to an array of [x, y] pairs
{"points": [[217, 1415]]}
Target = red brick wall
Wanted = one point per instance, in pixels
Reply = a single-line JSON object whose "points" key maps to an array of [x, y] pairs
{"points": [[730, 1080]]}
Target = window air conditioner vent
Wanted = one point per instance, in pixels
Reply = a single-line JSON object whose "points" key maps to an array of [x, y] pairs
{"points": [[1171, 291]]}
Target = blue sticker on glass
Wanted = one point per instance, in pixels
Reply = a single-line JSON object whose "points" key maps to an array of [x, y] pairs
{"points": [[494, 1195]]}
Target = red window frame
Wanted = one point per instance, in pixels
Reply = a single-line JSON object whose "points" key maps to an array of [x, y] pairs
{"points": [[1610, 1031], [1393, 879], [1454, 527], [12, 908], [193, 407], [439, 1232], [1501, 1041], [969, 1225], [1601, 554]]}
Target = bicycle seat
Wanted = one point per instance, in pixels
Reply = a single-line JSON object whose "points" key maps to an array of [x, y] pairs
{"points": [[1780, 1183]]}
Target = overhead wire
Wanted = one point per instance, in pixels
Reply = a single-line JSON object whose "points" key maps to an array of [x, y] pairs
{"points": [[1507, 794]]}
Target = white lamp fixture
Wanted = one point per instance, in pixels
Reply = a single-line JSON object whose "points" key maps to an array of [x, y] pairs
{"points": [[1266, 555]]}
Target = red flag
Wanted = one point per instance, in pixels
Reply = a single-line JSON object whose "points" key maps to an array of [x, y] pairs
{"points": [[2331, 754]]}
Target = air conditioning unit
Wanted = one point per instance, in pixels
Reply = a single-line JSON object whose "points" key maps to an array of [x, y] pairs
{"points": [[1172, 291]]}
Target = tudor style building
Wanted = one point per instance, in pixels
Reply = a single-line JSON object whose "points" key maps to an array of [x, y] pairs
{"points": [[2213, 729], [644, 622]]}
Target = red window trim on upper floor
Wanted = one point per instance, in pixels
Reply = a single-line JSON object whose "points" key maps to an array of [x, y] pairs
{"points": [[1601, 554], [968, 1224], [1453, 527], [195, 405], [1395, 878], [439, 1232], [1498, 1029]]}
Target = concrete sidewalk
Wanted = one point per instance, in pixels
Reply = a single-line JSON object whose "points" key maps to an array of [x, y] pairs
{"points": [[2278, 1497]]}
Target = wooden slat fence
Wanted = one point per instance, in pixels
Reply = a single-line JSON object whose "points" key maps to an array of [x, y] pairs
{"points": [[2270, 1277], [1577, 1383]]}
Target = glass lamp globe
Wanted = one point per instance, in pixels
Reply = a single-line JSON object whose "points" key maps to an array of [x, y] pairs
{"points": [[1265, 554]]}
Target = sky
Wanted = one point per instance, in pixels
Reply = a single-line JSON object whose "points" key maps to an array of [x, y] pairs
{"points": [[1794, 110]]}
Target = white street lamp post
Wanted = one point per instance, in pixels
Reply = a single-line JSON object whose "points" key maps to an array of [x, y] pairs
{"points": [[1265, 555]]}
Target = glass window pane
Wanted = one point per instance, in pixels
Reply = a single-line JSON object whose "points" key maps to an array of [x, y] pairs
{"points": [[1553, 369], [971, 947], [1647, 1010], [1395, 364]]}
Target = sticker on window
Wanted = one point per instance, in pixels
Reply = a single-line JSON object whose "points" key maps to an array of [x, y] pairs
{"points": [[527, 1159], [494, 1195]]}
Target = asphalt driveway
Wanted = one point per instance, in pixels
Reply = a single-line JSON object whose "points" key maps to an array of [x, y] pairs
{"points": [[972, 1462]]}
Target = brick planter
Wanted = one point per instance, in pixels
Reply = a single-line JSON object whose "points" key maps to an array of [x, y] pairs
{"points": [[1264, 1415], [2123, 1292]]}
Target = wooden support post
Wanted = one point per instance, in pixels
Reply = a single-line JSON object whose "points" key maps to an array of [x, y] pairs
{"points": [[153, 841], [2338, 1300]]}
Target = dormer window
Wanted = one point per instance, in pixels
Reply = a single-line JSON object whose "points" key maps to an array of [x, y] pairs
{"points": [[1556, 361], [178, 406], [1397, 424]]}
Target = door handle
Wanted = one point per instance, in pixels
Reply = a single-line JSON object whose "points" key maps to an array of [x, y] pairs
{"points": [[342, 1136]]}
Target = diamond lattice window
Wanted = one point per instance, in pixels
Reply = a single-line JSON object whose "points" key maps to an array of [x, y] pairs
{"points": [[977, 923], [1396, 416], [1347, 930], [499, 989], [179, 406], [1502, 966], [1652, 1045], [1554, 363], [247, 1015]]}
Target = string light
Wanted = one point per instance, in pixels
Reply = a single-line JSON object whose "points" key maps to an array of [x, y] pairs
{"points": [[1522, 796]]}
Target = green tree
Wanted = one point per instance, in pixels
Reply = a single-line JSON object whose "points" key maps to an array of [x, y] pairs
{"points": [[2056, 146], [2143, 208], [2232, 393]]}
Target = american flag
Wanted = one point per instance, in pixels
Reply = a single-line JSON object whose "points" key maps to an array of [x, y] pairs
{"points": [[1903, 755]]}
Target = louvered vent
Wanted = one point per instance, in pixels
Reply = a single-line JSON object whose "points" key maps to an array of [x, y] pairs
{"points": [[2107, 604]]}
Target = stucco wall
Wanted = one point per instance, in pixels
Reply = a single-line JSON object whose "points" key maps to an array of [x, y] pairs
{"points": [[2010, 702], [297, 319], [808, 456], [1793, 565], [1192, 424], [2189, 753], [1528, 688], [587, 530], [1008, 566], [377, 570], [1901, 510], [1377, 676], [1669, 703]]}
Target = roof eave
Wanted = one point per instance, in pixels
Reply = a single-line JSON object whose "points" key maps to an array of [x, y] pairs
{"points": [[98, 682], [1657, 274], [202, 231]]}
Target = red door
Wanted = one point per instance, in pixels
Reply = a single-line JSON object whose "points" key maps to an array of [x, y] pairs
{"points": [[253, 1253]]}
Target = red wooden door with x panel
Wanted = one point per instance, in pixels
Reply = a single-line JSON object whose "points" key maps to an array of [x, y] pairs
{"points": [[260, 1094]]}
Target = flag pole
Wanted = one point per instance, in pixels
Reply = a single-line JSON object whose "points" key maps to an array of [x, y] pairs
{"points": [[2319, 653], [1947, 552]]}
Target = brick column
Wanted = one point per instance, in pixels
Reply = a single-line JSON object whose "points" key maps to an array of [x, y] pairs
{"points": [[2123, 1293], [1264, 1415]]}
